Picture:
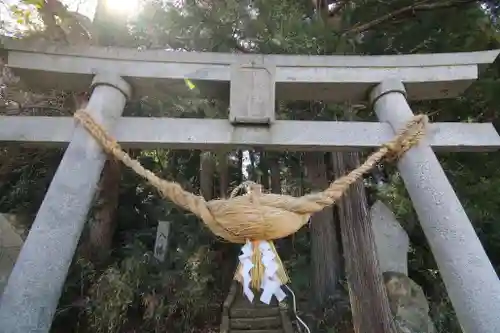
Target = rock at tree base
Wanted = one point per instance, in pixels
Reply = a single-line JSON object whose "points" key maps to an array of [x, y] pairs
{"points": [[406, 298], [408, 304]]}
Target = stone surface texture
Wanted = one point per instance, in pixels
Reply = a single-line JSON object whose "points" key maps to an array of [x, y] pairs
{"points": [[470, 279]]}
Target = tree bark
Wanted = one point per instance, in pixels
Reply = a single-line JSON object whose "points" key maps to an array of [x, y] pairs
{"points": [[207, 171], [109, 29], [52, 29], [297, 175], [103, 226], [264, 170], [274, 167], [253, 166], [228, 251], [324, 246], [223, 168], [284, 245], [240, 166], [369, 303]]}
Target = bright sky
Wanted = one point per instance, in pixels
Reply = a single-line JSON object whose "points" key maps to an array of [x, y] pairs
{"points": [[84, 7]]}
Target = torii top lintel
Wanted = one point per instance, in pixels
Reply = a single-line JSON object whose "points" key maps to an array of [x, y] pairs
{"points": [[296, 77]]}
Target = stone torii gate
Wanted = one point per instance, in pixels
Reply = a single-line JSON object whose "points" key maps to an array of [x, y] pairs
{"points": [[253, 83]]}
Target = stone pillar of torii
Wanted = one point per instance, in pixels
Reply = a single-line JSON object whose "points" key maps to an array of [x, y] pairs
{"points": [[30, 299], [470, 279]]}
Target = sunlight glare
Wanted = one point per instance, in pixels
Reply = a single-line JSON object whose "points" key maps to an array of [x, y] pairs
{"points": [[123, 7]]}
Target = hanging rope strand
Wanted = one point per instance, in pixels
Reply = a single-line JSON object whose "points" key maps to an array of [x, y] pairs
{"points": [[406, 138], [173, 191], [258, 215]]}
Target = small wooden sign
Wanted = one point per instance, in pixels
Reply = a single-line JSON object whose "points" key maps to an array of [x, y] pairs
{"points": [[161, 243]]}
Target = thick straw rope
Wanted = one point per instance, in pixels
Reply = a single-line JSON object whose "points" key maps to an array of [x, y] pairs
{"points": [[258, 216], [258, 269]]}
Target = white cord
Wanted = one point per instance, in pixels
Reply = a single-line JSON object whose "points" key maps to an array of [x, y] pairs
{"points": [[295, 310]]}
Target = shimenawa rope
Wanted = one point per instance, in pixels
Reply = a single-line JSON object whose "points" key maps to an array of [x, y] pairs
{"points": [[257, 215]]}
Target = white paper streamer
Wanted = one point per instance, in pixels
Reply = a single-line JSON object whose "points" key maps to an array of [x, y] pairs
{"points": [[246, 266], [271, 284]]}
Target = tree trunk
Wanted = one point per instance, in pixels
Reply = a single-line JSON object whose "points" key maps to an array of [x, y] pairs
{"points": [[369, 303], [109, 29], [240, 166], [223, 174], [297, 175], [253, 166], [264, 170], [274, 167], [324, 246], [103, 226], [52, 29], [284, 245], [207, 172], [228, 251]]}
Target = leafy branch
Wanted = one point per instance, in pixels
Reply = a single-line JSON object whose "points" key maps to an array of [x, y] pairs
{"points": [[411, 9]]}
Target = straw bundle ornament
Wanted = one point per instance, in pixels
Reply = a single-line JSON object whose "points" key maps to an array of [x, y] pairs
{"points": [[260, 266], [257, 218]]}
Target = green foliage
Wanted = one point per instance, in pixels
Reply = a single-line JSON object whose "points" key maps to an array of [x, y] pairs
{"points": [[133, 292], [114, 293], [23, 188], [24, 14]]}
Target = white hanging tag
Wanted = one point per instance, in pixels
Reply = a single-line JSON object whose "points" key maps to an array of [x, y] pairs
{"points": [[246, 267], [271, 284]]}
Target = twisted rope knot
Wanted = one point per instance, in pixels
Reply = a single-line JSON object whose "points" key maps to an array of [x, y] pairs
{"points": [[406, 138], [257, 215]]}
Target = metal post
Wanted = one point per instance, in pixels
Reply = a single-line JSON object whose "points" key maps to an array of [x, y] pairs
{"points": [[471, 282], [32, 293]]}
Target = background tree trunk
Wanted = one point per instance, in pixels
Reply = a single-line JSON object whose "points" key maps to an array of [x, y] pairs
{"points": [[284, 245], [369, 303], [324, 246], [274, 166], [103, 227], [109, 29], [207, 172], [229, 251], [240, 166], [252, 175], [264, 170], [223, 168]]}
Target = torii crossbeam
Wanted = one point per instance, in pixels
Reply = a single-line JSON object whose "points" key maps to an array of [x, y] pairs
{"points": [[252, 83]]}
